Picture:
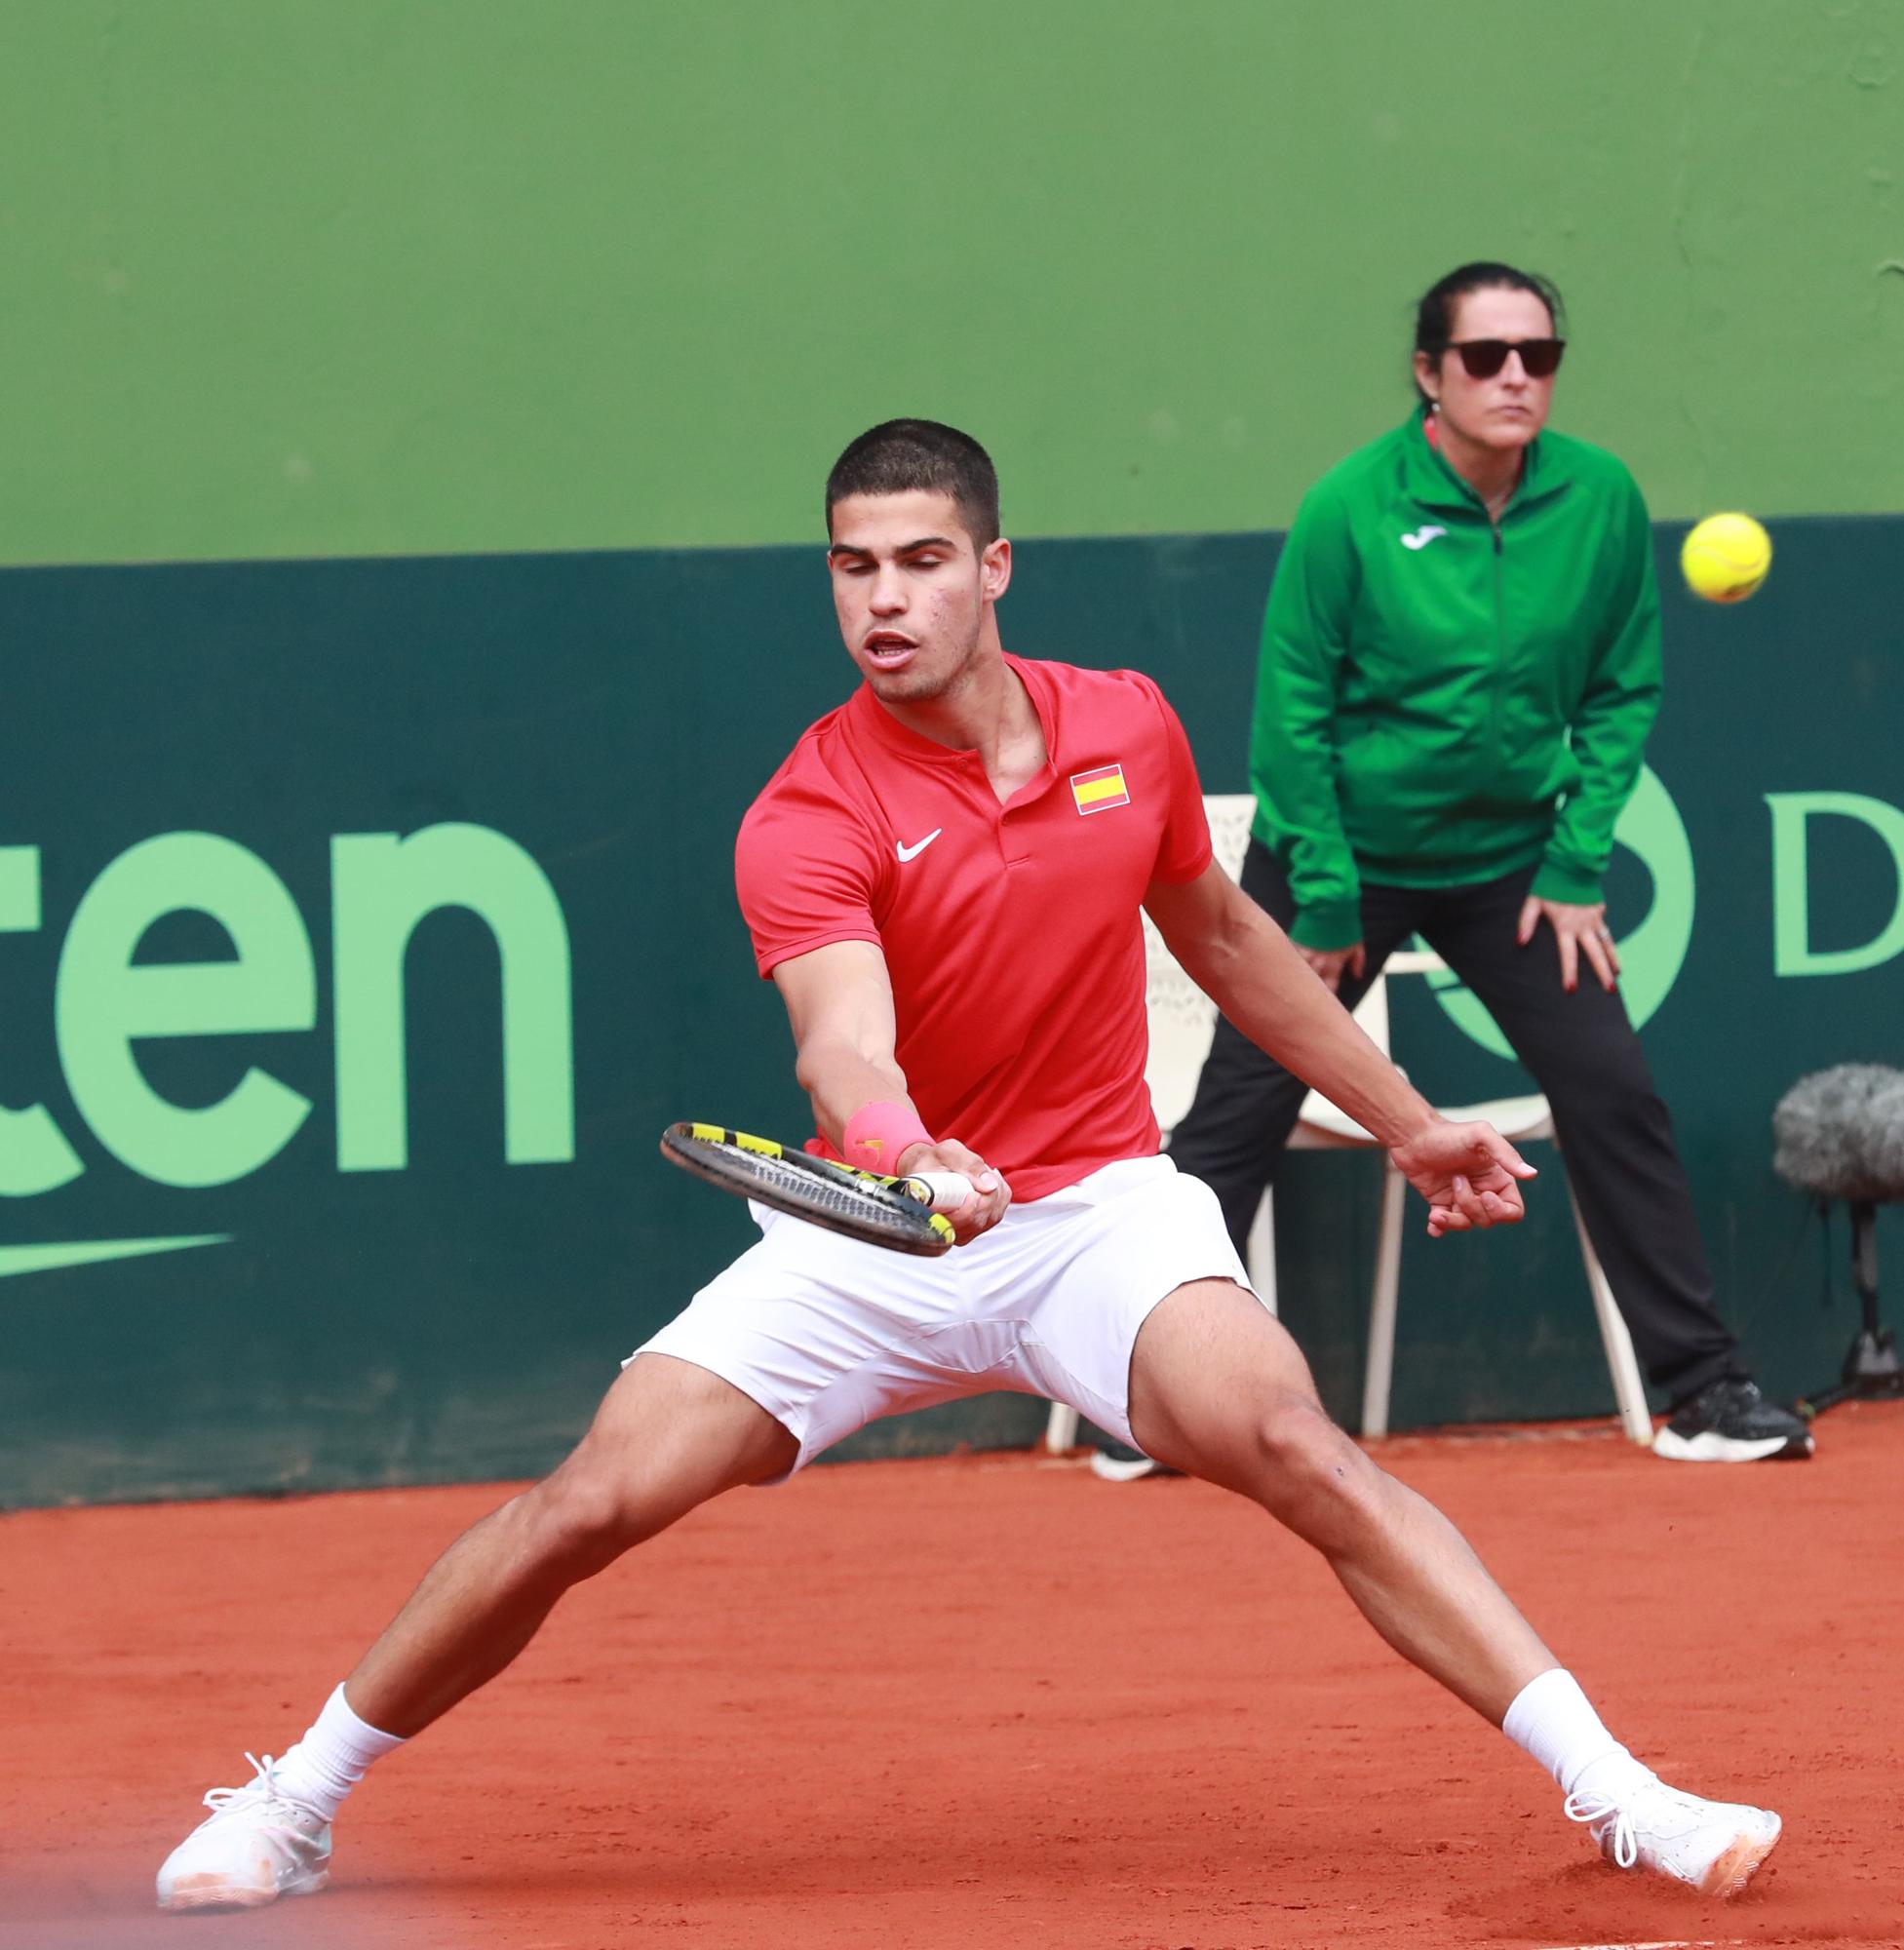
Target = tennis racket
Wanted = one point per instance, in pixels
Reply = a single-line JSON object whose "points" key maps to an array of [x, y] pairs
{"points": [[892, 1212]]}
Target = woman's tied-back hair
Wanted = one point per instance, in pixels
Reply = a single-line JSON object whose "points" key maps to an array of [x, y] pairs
{"points": [[1434, 315], [907, 456]]}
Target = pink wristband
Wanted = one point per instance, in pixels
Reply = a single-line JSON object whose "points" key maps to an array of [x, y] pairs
{"points": [[876, 1136]]}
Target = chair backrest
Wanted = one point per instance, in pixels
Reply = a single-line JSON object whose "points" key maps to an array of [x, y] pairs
{"points": [[1183, 1017]]}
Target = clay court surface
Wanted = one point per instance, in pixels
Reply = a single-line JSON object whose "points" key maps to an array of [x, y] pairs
{"points": [[979, 1702]]}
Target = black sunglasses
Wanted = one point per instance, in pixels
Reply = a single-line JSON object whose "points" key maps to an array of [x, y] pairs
{"points": [[1485, 357]]}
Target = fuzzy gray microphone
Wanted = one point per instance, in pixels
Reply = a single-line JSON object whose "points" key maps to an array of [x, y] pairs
{"points": [[1840, 1134]]}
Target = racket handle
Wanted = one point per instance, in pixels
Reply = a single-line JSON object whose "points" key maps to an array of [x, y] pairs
{"points": [[944, 1190]]}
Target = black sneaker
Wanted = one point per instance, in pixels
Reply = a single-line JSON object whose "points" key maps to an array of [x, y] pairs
{"points": [[1120, 1462], [1729, 1421]]}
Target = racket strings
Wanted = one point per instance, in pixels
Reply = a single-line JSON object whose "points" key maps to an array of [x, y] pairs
{"points": [[807, 1186], [817, 1190]]}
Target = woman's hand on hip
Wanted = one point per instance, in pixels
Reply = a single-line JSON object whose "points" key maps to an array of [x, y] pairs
{"points": [[1579, 930], [1329, 963]]}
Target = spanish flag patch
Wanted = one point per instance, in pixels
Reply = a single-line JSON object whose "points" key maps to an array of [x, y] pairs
{"points": [[1099, 790]]}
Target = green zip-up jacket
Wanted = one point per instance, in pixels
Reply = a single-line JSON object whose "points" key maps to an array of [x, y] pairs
{"points": [[1440, 701]]}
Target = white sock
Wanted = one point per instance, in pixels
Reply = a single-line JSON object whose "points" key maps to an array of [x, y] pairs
{"points": [[332, 1758], [1553, 1719]]}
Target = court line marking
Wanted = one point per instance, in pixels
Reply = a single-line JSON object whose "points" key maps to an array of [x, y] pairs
{"points": [[1664, 1943]]}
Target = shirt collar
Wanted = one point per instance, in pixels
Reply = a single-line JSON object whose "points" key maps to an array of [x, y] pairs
{"points": [[874, 720]]}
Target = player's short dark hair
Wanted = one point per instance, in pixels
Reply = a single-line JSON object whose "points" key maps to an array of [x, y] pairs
{"points": [[1434, 315], [909, 456]]}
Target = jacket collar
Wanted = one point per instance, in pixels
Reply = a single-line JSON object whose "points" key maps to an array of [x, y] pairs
{"points": [[1430, 482]]}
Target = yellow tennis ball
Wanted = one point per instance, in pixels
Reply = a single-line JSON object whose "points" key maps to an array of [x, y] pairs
{"points": [[1725, 558]]}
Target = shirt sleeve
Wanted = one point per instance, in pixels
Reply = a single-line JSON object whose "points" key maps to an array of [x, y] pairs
{"points": [[1292, 734], [1184, 851], [1609, 730], [806, 874]]}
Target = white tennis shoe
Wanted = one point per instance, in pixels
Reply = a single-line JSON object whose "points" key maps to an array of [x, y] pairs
{"points": [[256, 1845], [1714, 1846]]}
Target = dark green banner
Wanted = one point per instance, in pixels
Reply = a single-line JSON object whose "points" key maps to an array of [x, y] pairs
{"points": [[363, 922]]}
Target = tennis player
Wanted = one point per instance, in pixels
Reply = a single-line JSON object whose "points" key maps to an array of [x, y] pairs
{"points": [[944, 881]]}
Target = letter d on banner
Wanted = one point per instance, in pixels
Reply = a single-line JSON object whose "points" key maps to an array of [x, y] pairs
{"points": [[1790, 906]]}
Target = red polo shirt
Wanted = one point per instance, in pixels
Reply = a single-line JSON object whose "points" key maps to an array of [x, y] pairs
{"points": [[1011, 932]]}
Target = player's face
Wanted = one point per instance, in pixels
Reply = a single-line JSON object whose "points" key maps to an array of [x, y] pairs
{"points": [[912, 591], [1510, 408]]}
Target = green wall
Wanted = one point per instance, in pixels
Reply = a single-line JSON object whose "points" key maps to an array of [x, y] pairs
{"points": [[339, 1308], [479, 289], [360, 279]]}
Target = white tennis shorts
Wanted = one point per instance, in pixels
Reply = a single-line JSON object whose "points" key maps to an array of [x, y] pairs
{"points": [[827, 1335]]}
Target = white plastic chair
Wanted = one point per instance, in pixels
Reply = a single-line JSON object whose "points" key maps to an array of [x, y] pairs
{"points": [[1181, 1022]]}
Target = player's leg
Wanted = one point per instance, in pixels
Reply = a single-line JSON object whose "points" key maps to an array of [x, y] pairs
{"points": [[669, 1435], [1624, 1164], [1220, 1390], [800, 1341]]}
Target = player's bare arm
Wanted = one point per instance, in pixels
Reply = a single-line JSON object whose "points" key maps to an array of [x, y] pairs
{"points": [[839, 1005], [1247, 966]]}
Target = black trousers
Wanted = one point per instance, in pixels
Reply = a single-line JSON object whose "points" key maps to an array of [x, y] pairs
{"points": [[1581, 1050]]}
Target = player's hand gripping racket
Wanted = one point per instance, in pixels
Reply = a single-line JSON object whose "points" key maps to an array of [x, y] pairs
{"points": [[893, 1212]]}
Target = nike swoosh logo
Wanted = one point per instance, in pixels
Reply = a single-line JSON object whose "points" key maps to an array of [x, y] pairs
{"points": [[1423, 536], [90, 1252], [919, 846]]}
